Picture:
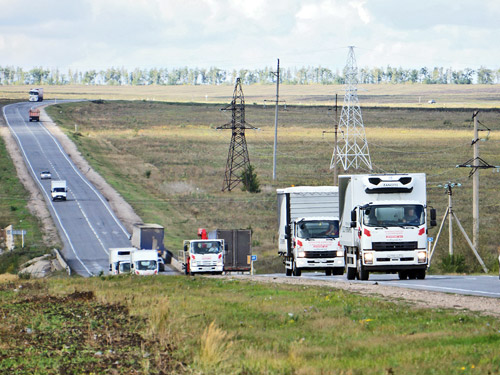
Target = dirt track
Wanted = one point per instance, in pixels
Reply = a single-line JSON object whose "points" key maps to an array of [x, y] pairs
{"points": [[487, 306]]}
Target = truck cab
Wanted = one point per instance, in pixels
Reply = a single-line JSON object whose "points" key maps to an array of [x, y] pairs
{"points": [[144, 262], [315, 246], [203, 256], [36, 95], [119, 260]]}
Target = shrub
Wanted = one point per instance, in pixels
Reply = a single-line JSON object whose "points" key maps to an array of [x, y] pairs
{"points": [[250, 181], [453, 264]]}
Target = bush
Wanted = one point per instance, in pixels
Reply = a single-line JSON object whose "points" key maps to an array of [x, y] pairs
{"points": [[453, 264], [250, 181]]}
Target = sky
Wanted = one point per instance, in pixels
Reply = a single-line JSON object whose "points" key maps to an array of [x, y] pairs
{"points": [[238, 34]]}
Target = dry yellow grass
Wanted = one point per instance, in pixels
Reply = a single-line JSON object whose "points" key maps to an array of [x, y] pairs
{"points": [[7, 278], [403, 95], [215, 350]]}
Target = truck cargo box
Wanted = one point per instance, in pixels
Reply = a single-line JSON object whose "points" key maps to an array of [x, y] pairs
{"points": [[238, 248], [34, 114], [148, 236]]}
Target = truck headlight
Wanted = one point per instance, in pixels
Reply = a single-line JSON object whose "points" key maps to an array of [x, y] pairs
{"points": [[368, 258], [340, 253], [301, 254], [422, 256]]}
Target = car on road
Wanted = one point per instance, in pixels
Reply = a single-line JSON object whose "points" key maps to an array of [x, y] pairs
{"points": [[45, 175]]}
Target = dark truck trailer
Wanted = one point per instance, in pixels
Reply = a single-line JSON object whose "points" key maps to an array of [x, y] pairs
{"points": [[238, 249]]}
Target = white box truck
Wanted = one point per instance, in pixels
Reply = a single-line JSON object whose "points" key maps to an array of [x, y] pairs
{"points": [[202, 256], [384, 224], [144, 262], [58, 190], [119, 260], [308, 230]]}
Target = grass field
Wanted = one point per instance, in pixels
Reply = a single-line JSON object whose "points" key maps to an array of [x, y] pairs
{"points": [[168, 161], [185, 325], [384, 95]]}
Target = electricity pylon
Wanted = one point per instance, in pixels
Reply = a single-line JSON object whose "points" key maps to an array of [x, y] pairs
{"points": [[352, 147], [237, 158]]}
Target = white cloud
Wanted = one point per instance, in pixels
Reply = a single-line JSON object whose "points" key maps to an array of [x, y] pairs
{"points": [[248, 33]]}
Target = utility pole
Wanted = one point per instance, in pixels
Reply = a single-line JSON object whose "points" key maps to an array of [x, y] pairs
{"points": [[335, 151], [277, 74], [475, 186]]}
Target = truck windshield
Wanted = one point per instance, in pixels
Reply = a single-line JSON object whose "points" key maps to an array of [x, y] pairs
{"points": [[206, 247], [124, 267], [394, 215], [146, 265], [318, 229]]}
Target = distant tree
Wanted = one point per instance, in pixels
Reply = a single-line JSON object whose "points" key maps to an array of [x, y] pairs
{"points": [[89, 77], [484, 75]]}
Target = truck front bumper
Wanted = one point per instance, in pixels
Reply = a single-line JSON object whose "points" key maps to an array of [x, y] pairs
{"points": [[304, 263], [202, 269], [395, 261]]}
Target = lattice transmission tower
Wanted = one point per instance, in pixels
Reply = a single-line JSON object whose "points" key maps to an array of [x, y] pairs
{"points": [[237, 158], [352, 147]]}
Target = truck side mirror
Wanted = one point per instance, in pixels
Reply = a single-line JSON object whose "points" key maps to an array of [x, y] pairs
{"points": [[433, 217], [354, 218], [185, 247]]}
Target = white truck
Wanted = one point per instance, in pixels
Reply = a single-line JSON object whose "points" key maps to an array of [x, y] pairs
{"points": [[119, 260], [58, 190], [308, 230], [36, 95], [144, 262], [202, 256], [384, 224]]}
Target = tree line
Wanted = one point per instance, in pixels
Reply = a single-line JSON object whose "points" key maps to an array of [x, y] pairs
{"points": [[214, 76]]}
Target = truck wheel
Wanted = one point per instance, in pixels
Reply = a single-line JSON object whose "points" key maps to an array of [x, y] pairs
{"points": [[288, 271], [364, 274], [296, 271], [351, 273], [328, 272], [412, 275], [339, 271], [403, 275], [420, 274]]}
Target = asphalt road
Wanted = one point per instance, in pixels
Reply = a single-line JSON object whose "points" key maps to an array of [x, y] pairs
{"points": [[484, 286], [86, 223]]}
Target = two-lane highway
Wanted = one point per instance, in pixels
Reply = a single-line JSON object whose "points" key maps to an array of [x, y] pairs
{"points": [[477, 285], [87, 224]]}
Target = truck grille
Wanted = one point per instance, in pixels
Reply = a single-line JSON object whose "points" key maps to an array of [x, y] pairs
{"points": [[396, 246], [206, 263], [320, 254]]}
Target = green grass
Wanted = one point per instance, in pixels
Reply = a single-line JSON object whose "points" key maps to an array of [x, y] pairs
{"points": [[214, 326], [14, 211], [168, 161]]}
